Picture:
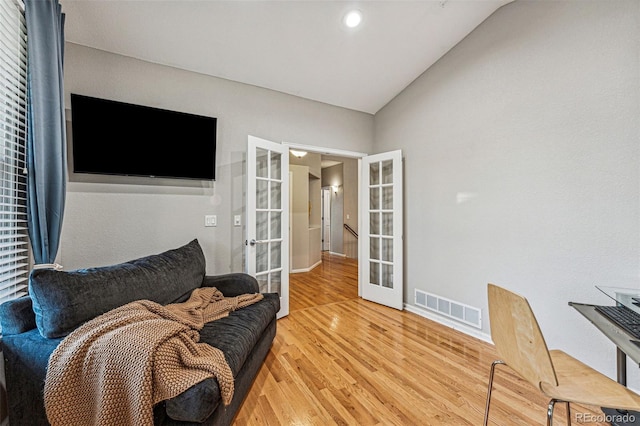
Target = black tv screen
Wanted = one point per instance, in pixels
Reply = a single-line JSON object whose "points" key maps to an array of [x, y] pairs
{"points": [[118, 138]]}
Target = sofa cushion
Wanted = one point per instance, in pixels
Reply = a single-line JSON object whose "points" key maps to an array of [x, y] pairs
{"points": [[236, 336], [16, 316], [64, 300]]}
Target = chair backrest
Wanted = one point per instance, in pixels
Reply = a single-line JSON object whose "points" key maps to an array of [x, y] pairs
{"points": [[518, 338]]}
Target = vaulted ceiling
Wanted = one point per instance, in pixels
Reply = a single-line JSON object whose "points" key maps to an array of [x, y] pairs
{"points": [[296, 47]]}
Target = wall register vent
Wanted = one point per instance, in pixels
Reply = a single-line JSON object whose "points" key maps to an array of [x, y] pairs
{"points": [[449, 308]]}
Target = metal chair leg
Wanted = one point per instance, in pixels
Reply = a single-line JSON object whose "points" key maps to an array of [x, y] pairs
{"points": [[550, 412], [486, 408], [552, 404]]}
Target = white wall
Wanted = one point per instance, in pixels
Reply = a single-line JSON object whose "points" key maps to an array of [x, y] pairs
{"points": [[126, 218], [299, 217], [521, 160], [350, 193]]}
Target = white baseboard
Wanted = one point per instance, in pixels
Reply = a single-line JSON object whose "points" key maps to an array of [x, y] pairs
{"points": [[449, 323], [337, 254], [298, 271]]}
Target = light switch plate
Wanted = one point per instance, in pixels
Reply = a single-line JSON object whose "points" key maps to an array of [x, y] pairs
{"points": [[210, 220], [237, 220]]}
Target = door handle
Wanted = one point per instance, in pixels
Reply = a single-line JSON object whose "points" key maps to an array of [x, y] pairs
{"points": [[253, 242]]}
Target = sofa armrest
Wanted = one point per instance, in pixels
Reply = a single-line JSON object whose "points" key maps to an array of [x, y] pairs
{"points": [[232, 285], [16, 316]]}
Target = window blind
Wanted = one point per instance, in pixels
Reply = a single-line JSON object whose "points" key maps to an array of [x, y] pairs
{"points": [[14, 242]]}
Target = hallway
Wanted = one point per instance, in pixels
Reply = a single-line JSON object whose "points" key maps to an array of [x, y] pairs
{"points": [[335, 280]]}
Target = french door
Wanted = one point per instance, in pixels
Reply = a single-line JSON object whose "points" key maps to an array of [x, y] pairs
{"points": [[380, 262], [267, 245], [381, 257]]}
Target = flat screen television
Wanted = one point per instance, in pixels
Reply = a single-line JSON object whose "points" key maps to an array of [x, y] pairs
{"points": [[117, 138]]}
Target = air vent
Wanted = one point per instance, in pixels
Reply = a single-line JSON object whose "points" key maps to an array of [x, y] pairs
{"points": [[449, 308]]}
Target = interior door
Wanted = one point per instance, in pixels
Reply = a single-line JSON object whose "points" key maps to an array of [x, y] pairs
{"points": [[326, 219], [381, 264], [267, 245]]}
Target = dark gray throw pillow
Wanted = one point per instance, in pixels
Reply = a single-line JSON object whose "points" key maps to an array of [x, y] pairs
{"points": [[64, 300]]}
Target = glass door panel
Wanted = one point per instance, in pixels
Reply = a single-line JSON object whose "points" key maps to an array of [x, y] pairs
{"points": [[267, 225], [382, 280]]}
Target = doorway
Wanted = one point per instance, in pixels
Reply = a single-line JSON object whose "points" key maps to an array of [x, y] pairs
{"points": [[336, 174], [378, 213], [325, 200], [326, 219]]}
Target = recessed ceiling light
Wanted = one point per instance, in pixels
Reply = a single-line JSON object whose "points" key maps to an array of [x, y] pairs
{"points": [[353, 18]]}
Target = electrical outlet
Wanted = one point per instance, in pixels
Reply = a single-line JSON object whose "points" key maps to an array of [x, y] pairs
{"points": [[210, 220]]}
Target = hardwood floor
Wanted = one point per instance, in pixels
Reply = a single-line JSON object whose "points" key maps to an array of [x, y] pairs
{"points": [[334, 280], [338, 359]]}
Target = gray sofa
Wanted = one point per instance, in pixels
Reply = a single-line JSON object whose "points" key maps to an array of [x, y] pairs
{"points": [[58, 302]]}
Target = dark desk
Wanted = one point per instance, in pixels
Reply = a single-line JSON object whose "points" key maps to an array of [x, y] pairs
{"points": [[622, 340], [624, 348]]}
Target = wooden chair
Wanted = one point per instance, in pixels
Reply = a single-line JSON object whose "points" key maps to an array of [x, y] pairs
{"points": [[521, 346]]}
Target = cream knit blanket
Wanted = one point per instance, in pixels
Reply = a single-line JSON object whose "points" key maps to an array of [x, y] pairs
{"points": [[114, 368]]}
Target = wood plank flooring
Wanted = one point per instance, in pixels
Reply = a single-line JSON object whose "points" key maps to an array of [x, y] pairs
{"points": [[340, 360], [334, 280]]}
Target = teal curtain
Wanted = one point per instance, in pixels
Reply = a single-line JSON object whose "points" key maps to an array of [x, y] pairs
{"points": [[46, 134]]}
